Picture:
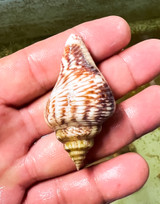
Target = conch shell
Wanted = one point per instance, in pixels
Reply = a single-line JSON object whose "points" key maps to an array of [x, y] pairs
{"points": [[80, 101]]}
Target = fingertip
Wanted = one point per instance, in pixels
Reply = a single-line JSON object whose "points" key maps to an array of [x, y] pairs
{"points": [[143, 110], [143, 60], [138, 165], [121, 176], [123, 29], [108, 35]]}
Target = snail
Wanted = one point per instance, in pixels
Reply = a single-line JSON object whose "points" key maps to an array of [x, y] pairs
{"points": [[80, 101]]}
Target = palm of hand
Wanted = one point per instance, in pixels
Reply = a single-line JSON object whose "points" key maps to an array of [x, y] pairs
{"points": [[27, 76]]}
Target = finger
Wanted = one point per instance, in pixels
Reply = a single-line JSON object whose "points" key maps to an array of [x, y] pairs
{"points": [[105, 182], [133, 67], [32, 71], [133, 118]]}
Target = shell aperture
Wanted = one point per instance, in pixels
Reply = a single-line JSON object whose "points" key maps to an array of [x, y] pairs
{"points": [[80, 101]]}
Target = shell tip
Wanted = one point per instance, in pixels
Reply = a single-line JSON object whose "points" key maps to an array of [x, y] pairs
{"points": [[73, 39], [78, 166]]}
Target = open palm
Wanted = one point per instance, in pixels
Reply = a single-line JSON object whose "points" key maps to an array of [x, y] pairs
{"points": [[36, 169]]}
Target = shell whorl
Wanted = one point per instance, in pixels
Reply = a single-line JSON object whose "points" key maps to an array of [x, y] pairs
{"points": [[80, 101]]}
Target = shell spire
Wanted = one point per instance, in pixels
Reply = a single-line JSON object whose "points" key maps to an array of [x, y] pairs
{"points": [[80, 101]]}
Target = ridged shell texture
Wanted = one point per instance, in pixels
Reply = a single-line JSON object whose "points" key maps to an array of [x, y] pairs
{"points": [[80, 101]]}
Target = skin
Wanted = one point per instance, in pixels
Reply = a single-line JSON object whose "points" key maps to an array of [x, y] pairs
{"points": [[36, 169]]}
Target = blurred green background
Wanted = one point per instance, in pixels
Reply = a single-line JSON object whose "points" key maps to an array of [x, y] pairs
{"points": [[23, 22]]}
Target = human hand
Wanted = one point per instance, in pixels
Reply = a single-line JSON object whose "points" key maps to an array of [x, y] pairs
{"points": [[43, 172]]}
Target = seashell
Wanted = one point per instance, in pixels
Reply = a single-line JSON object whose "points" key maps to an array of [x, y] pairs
{"points": [[80, 101]]}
